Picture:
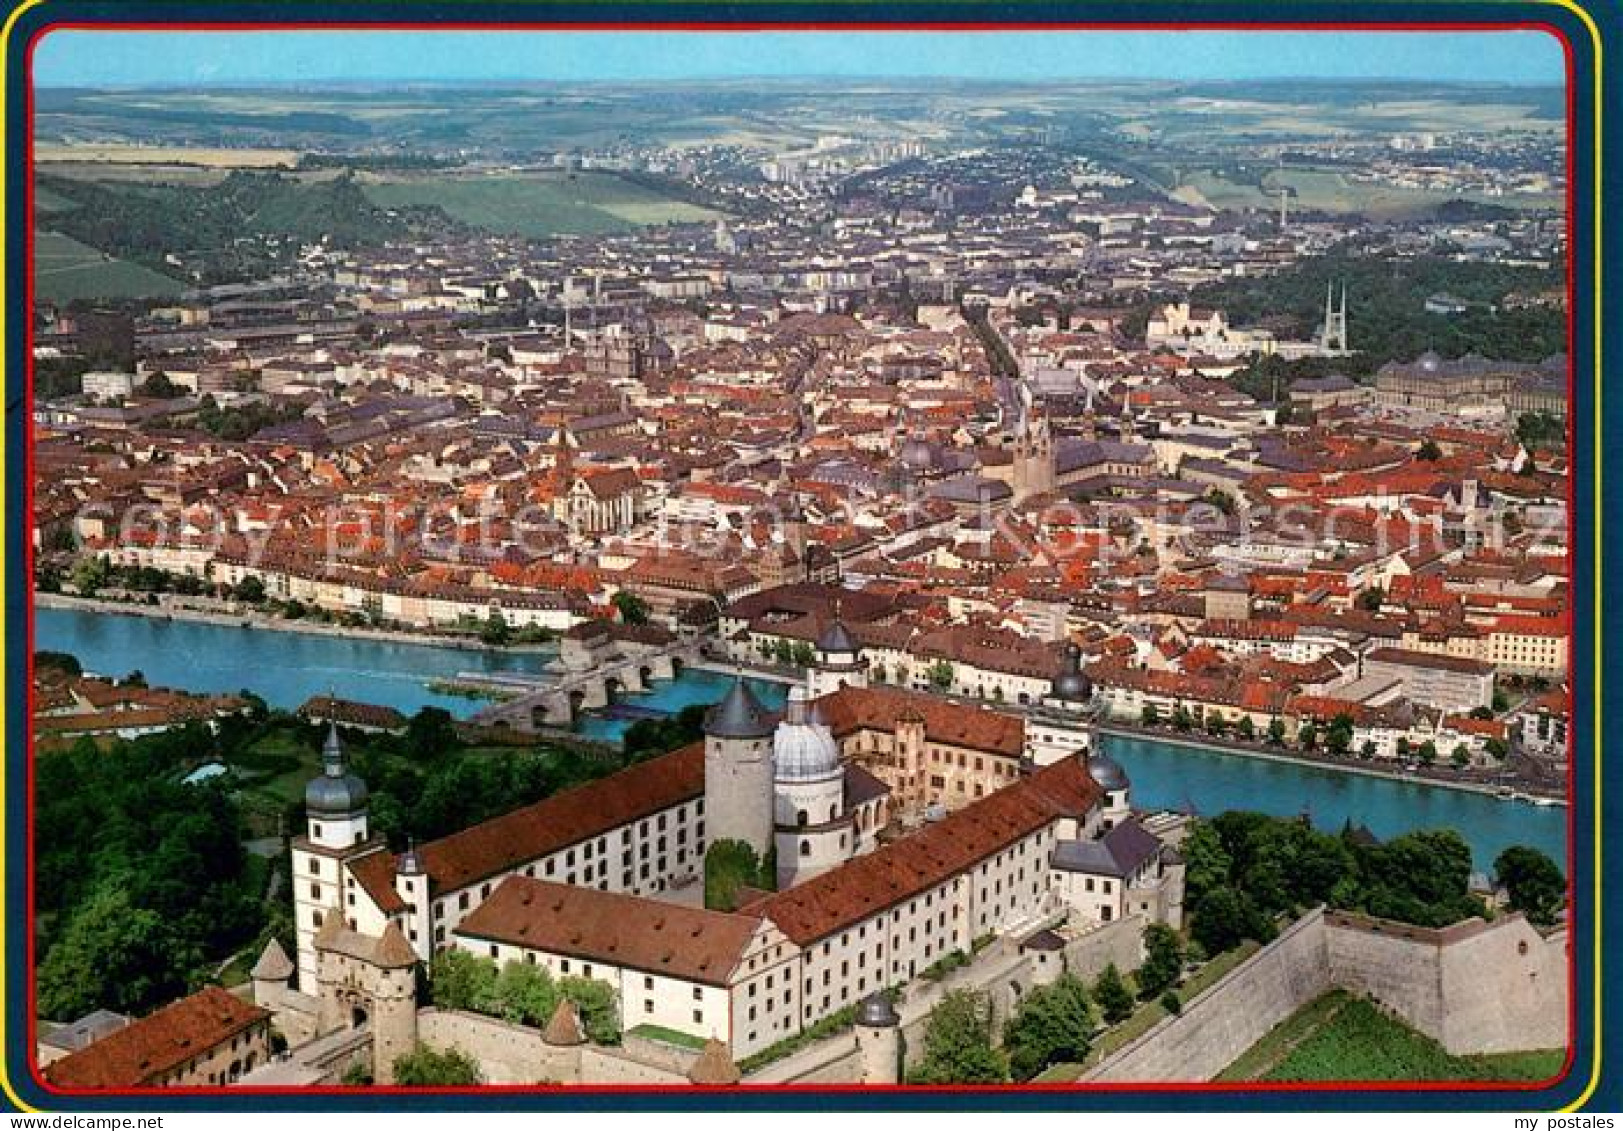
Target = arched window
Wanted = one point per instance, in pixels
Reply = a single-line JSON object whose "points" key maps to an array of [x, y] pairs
{"points": [[800, 818], [805, 848]]}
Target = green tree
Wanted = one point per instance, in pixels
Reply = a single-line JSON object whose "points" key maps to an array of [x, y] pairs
{"points": [[1307, 737], [632, 608], [115, 955], [783, 651], [958, 1047], [941, 675], [1114, 998], [1370, 600], [458, 979], [89, 575], [1163, 961], [1497, 748], [431, 731], [1461, 757], [730, 865], [803, 654], [1182, 720], [1535, 885], [495, 631], [1276, 731], [250, 591], [1206, 861], [1428, 752], [1247, 728], [526, 994], [1223, 918], [595, 1001], [1367, 751], [426, 1067], [1151, 715], [1054, 1023]]}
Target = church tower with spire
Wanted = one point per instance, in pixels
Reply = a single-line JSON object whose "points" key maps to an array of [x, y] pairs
{"points": [[336, 831], [1033, 453]]}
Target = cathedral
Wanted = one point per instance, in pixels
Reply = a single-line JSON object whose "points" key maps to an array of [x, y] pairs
{"points": [[904, 828]]}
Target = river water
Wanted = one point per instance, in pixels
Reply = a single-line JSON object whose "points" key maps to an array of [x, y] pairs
{"points": [[286, 668]]}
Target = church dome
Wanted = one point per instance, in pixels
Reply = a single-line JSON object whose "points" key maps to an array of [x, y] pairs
{"points": [[1073, 684], [803, 750], [337, 792], [1106, 771]]}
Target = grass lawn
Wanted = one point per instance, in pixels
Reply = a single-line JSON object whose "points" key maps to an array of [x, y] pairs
{"points": [[668, 1036], [1342, 1037], [537, 204], [65, 269]]}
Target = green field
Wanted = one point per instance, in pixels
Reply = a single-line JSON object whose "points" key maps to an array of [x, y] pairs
{"points": [[537, 204], [1330, 191], [1342, 1037], [65, 269]]}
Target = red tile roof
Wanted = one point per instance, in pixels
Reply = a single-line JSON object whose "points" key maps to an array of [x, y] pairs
{"points": [[905, 868], [145, 1050], [853, 709], [516, 838], [616, 929]]}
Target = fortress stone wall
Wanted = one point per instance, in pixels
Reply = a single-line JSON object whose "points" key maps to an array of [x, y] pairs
{"points": [[1218, 1025], [1475, 987]]}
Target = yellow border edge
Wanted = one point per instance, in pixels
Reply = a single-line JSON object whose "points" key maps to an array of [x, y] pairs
{"points": [[1599, 512]]}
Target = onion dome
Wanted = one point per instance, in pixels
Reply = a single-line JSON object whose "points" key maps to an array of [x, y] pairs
{"points": [[803, 750], [1105, 770], [836, 638], [1073, 684], [337, 792], [877, 1012], [739, 715]]}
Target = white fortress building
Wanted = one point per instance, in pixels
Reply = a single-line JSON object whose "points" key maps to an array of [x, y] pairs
{"points": [[905, 828]]}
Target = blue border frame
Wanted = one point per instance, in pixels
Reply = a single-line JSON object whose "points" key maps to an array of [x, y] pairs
{"points": [[1607, 1096]]}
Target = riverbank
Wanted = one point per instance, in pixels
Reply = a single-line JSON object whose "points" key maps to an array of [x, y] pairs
{"points": [[1335, 765], [282, 624]]}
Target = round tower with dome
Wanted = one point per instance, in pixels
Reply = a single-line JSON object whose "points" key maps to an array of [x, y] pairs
{"points": [[738, 770], [813, 832], [1062, 725], [336, 830], [838, 663], [1109, 776]]}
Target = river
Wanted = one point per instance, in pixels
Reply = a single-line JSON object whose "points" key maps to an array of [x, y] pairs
{"points": [[286, 668]]}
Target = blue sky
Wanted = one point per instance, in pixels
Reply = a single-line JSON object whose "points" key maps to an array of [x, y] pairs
{"points": [[81, 58]]}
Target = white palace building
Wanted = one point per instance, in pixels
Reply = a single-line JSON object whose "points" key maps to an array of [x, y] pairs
{"points": [[905, 827]]}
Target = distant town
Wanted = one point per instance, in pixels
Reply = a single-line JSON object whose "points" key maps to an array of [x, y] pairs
{"points": [[841, 596]]}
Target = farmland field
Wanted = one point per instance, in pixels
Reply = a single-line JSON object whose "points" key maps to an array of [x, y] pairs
{"points": [[1342, 1037], [65, 269], [214, 158], [537, 204], [1330, 191]]}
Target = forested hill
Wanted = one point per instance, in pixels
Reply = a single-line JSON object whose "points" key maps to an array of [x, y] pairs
{"points": [[1386, 313], [204, 225]]}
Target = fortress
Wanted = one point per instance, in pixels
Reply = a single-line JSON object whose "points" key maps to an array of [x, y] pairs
{"points": [[905, 828]]}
